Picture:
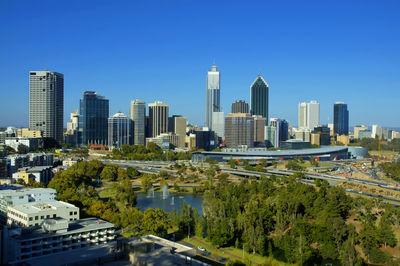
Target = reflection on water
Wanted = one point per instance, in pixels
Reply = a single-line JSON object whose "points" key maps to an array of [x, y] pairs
{"points": [[168, 202]]}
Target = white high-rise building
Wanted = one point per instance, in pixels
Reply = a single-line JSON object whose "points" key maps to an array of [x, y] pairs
{"points": [[119, 130], [158, 114], [213, 95], [309, 115], [46, 103], [376, 131], [74, 124]]}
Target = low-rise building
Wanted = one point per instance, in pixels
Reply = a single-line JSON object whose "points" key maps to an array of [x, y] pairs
{"points": [[41, 174], [11, 197], [35, 213], [55, 236], [29, 143], [27, 133], [295, 144]]}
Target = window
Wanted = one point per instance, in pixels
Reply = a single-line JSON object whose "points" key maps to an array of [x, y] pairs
{"points": [[48, 216], [54, 216], [70, 213], [30, 218], [36, 218]]}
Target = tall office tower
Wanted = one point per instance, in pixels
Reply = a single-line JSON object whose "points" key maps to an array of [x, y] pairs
{"points": [[158, 115], [138, 115], [74, 124], [94, 116], [180, 130], [340, 119], [239, 130], [218, 123], [73, 135], [259, 91], [259, 129], [302, 115], [240, 107], [46, 103], [120, 129], [213, 95], [281, 130], [357, 130], [309, 115]]}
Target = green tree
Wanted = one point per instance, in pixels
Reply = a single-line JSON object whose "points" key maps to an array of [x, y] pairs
{"points": [[146, 183], [385, 232], [155, 222], [110, 172]]}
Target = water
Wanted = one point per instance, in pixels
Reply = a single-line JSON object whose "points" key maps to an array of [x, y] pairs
{"points": [[171, 202]]}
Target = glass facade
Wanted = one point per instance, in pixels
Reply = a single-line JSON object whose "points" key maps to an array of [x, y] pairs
{"points": [[213, 95], [120, 129], [94, 115], [340, 119], [259, 97]]}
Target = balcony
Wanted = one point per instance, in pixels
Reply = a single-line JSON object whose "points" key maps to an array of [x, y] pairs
{"points": [[110, 237]]}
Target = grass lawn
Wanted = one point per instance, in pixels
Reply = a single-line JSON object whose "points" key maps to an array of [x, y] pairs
{"points": [[254, 258], [108, 193]]}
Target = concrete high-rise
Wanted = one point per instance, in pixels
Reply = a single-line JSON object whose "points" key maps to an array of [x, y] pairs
{"points": [[212, 94], [138, 115], [239, 130], [340, 119], [94, 118], [158, 118], [46, 103], [308, 115], [259, 92], [259, 129], [120, 129], [240, 107], [357, 130]]}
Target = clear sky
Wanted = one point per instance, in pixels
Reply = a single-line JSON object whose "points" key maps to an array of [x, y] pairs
{"points": [[161, 50]]}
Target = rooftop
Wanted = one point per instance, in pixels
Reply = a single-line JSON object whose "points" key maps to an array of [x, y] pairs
{"points": [[29, 191], [34, 207], [78, 226]]}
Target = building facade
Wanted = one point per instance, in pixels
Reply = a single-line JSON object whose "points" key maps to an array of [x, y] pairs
{"points": [[240, 107], [340, 119], [259, 97], [158, 118], [138, 115], [239, 130], [46, 103], [357, 130], [120, 128], [308, 115], [212, 94], [94, 118], [35, 213], [218, 124], [259, 130], [281, 130]]}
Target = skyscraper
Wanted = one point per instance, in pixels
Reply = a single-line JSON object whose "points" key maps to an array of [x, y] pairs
{"points": [[158, 116], [240, 107], [119, 130], [138, 115], [259, 129], [94, 116], [340, 119], [308, 115], [46, 103], [212, 94], [259, 91], [281, 130], [239, 130]]}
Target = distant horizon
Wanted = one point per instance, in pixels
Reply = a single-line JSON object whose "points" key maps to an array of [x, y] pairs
{"points": [[302, 49]]}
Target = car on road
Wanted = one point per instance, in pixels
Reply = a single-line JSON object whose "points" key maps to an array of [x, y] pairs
{"points": [[201, 248]]}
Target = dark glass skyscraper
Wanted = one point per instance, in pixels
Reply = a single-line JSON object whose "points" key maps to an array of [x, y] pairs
{"points": [[94, 118], [340, 119], [259, 97]]}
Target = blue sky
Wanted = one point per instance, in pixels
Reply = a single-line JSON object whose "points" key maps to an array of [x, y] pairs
{"points": [[161, 50]]}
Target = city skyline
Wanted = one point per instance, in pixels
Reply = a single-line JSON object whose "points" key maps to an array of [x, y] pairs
{"points": [[354, 61]]}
